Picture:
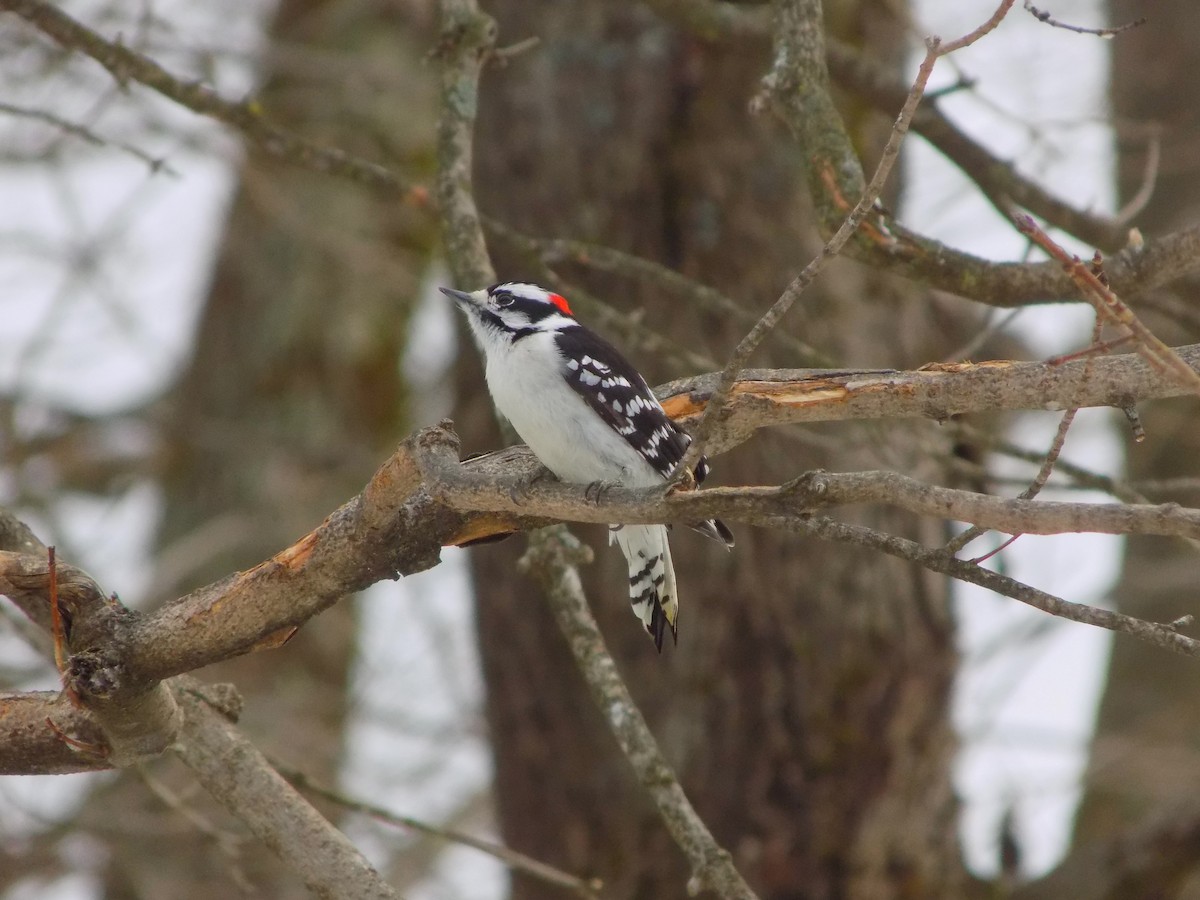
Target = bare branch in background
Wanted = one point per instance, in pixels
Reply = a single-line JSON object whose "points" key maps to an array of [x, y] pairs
{"points": [[1133, 271], [1109, 31], [801, 44], [1160, 634], [552, 558], [518, 862], [1108, 305], [127, 66], [238, 776], [154, 163]]}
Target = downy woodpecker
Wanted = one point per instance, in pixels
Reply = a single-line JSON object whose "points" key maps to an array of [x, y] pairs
{"points": [[589, 417]]}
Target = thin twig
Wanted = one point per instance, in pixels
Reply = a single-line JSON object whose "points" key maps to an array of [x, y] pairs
{"points": [[934, 49], [1111, 31], [1044, 470], [1159, 634], [833, 246], [227, 841], [518, 862], [986, 28], [1145, 192], [246, 116], [1035, 487], [155, 164], [1108, 304]]}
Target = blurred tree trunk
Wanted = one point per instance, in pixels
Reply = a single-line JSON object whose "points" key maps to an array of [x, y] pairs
{"points": [[291, 399], [1146, 755], [806, 704]]}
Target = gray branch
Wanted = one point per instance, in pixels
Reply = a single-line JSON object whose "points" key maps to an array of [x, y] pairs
{"points": [[239, 777], [767, 397], [552, 558]]}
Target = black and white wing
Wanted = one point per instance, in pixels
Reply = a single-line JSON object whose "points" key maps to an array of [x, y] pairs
{"points": [[614, 389], [598, 373]]}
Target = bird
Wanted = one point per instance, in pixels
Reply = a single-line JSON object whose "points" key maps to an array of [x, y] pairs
{"points": [[590, 418]]}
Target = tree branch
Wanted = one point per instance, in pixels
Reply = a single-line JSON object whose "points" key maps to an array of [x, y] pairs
{"points": [[795, 502], [465, 489], [997, 179], [247, 116], [1108, 305], [398, 524], [239, 777], [769, 397], [467, 37], [517, 862], [1159, 634], [552, 558], [29, 746], [1132, 272]]}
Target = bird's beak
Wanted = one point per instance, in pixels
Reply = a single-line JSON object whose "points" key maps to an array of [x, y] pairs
{"points": [[462, 298]]}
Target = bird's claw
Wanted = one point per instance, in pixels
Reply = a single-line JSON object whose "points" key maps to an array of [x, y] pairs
{"points": [[519, 492], [597, 489]]}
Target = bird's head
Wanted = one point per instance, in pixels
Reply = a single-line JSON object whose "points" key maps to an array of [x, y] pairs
{"points": [[511, 310]]}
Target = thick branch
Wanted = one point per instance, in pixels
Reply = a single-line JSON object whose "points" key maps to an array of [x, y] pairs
{"points": [[136, 716], [30, 746], [788, 396], [118, 659], [813, 491], [394, 527], [238, 776]]}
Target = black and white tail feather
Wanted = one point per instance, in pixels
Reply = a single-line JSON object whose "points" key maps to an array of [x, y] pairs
{"points": [[589, 417]]}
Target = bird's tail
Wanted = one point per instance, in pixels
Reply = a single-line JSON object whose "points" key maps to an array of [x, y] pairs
{"points": [[652, 589]]}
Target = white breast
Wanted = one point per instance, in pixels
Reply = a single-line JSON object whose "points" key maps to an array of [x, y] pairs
{"points": [[570, 439]]}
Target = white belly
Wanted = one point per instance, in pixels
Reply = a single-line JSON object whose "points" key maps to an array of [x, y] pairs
{"points": [[570, 439]]}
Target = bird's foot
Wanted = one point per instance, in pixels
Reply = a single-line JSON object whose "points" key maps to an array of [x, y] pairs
{"points": [[597, 489], [520, 491]]}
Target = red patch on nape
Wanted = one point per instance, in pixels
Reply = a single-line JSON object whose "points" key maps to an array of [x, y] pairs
{"points": [[561, 302]]}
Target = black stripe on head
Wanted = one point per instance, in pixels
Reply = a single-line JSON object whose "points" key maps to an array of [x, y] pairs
{"points": [[533, 310], [522, 308]]}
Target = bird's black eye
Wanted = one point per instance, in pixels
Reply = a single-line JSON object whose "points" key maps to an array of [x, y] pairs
{"points": [[503, 299]]}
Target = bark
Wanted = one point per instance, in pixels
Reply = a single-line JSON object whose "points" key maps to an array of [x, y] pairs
{"points": [[805, 706], [1146, 748]]}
